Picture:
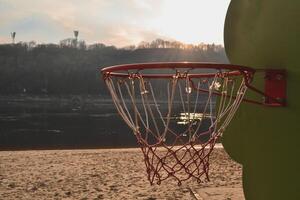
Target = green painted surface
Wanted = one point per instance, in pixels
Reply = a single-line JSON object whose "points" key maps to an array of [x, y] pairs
{"points": [[265, 140]]}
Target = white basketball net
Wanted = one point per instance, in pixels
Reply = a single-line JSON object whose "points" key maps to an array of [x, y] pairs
{"points": [[177, 113]]}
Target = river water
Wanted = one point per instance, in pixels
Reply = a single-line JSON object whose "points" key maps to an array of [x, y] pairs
{"points": [[35, 122]]}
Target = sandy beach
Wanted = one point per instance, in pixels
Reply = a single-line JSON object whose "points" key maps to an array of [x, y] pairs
{"points": [[106, 174]]}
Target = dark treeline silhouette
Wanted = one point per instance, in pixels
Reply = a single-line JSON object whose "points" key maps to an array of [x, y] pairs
{"points": [[71, 67]]}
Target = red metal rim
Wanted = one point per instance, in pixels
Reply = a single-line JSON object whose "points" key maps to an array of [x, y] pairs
{"points": [[123, 70], [228, 70]]}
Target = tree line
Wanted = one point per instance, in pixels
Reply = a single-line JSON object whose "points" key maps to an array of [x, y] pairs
{"points": [[72, 67]]}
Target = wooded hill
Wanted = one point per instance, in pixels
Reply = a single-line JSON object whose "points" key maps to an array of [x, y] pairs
{"points": [[72, 67]]}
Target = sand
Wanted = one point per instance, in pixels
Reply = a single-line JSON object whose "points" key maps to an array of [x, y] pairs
{"points": [[106, 174]]}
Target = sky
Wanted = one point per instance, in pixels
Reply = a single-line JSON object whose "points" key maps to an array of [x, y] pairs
{"points": [[113, 22]]}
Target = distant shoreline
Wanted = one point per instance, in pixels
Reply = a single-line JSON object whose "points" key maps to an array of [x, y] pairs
{"points": [[217, 146]]}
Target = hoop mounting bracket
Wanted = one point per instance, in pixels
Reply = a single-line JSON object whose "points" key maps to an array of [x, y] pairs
{"points": [[275, 88], [274, 94]]}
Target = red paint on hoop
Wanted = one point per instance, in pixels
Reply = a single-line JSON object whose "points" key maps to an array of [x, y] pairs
{"points": [[274, 94]]}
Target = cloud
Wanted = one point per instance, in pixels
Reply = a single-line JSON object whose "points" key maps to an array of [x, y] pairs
{"points": [[124, 36], [4, 40], [116, 22], [37, 27]]}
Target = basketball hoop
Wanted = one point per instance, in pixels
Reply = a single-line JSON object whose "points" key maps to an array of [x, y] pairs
{"points": [[177, 111]]}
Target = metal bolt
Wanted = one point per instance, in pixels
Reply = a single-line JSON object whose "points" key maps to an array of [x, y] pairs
{"points": [[279, 77]]}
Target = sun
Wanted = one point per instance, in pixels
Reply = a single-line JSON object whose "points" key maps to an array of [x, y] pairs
{"points": [[192, 21], [178, 21]]}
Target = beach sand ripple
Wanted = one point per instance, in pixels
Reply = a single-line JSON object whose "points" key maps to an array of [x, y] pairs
{"points": [[106, 174]]}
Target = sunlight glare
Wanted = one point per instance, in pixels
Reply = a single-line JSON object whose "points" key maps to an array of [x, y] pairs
{"points": [[192, 21]]}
